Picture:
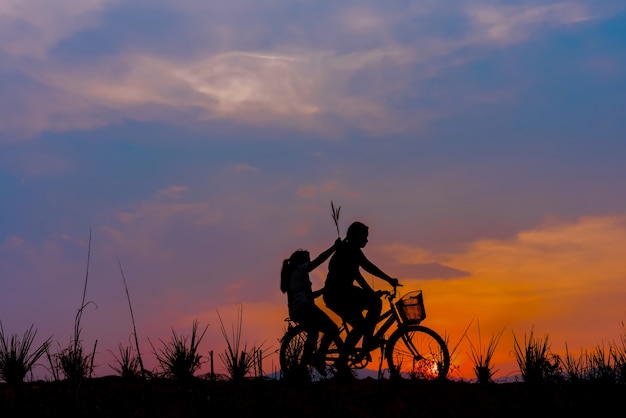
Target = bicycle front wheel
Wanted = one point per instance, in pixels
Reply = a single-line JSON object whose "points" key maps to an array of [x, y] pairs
{"points": [[417, 352]]}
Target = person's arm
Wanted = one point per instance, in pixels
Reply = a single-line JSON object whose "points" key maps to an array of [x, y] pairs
{"points": [[372, 269], [324, 255]]}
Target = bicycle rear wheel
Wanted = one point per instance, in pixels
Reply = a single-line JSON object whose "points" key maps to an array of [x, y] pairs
{"points": [[417, 352], [293, 366]]}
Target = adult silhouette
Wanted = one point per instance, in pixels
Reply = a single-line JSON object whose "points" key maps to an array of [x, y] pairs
{"points": [[347, 299]]}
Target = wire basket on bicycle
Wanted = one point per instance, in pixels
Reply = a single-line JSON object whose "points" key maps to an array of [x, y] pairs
{"points": [[411, 307]]}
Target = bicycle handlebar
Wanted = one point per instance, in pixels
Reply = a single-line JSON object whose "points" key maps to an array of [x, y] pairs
{"points": [[390, 294]]}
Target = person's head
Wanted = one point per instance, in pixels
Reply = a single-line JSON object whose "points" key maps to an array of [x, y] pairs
{"points": [[289, 265], [357, 234], [299, 257]]}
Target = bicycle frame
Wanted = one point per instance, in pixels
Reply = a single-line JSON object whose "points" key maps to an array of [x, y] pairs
{"points": [[388, 319]]}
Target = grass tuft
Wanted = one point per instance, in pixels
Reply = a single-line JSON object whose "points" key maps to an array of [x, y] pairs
{"points": [[535, 360], [136, 359], [575, 367], [240, 362], [618, 353], [482, 357], [128, 365], [16, 357], [72, 361], [179, 358]]}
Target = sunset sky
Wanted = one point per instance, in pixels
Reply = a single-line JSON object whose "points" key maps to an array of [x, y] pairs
{"points": [[201, 142]]}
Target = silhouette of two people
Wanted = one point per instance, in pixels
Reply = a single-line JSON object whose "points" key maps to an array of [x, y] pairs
{"points": [[346, 293]]}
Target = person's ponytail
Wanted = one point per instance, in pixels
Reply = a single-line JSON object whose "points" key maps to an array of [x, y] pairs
{"points": [[285, 274]]}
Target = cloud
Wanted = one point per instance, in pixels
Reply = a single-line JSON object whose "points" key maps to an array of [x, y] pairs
{"points": [[143, 230], [287, 89], [507, 24], [349, 68], [550, 275], [11, 242], [328, 188], [29, 28], [412, 263], [577, 252]]}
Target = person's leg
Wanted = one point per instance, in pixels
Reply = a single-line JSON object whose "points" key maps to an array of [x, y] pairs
{"points": [[352, 312], [326, 325], [374, 308], [306, 317], [350, 309], [364, 326], [342, 305], [355, 320], [330, 333], [310, 345]]}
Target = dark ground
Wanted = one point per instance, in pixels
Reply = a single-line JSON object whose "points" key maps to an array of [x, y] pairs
{"points": [[114, 397]]}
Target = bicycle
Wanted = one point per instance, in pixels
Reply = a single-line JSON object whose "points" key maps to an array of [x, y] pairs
{"points": [[411, 351]]}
